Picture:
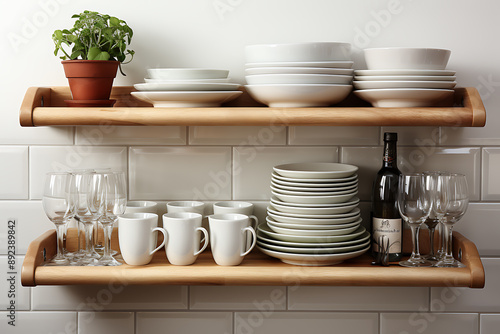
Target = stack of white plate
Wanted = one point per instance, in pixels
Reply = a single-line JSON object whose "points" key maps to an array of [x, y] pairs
{"points": [[313, 218], [405, 77], [300, 74], [186, 87]]}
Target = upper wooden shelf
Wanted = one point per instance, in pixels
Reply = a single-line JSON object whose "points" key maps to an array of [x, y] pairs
{"points": [[45, 107], [256, 269]]}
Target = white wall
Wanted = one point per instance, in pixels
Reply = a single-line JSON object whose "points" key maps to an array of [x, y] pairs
{"points": [[193, 33]]}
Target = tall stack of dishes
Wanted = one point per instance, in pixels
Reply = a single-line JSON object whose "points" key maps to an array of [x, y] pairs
{"points": [[300, 74], [313, 217]]}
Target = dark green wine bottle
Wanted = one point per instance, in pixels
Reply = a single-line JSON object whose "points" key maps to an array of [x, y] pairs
{"points": [[385, 214]]}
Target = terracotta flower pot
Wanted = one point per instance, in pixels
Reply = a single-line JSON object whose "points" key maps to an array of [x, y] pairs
{"points": [[90, 79]]}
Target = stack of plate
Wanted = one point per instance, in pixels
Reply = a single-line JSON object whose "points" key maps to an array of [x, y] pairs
{"points": [[299, 75], [405, 77], [186, 87], [313, 218]]}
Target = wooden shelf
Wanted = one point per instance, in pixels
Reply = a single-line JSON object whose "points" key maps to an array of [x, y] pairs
{"points": [[46, 107], [256, 269]]}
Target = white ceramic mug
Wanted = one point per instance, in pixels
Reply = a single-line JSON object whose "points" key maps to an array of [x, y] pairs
{"points": [[186, 206], [137, 237], [183, 240], [228, 238], [244, 208], [141, 206]]}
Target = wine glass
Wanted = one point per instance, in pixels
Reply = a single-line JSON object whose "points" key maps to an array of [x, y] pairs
{"points": [[112, 189], [452, 209], [57, 206], [431, 181], [414, 206]]}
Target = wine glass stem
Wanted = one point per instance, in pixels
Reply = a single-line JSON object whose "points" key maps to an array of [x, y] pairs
{"points": [[107, 228], [431, 237], [414, 236], [89, 247], [60, 240], [449, 238]]}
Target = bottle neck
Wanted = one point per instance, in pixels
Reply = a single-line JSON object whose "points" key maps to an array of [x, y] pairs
{"points": [[390, 154]]}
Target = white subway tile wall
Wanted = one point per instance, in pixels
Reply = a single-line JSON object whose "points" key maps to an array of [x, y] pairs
{"points": [[215, 163]]}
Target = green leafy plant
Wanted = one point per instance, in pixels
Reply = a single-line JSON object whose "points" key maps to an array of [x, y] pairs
{"points": [[95, 36]]}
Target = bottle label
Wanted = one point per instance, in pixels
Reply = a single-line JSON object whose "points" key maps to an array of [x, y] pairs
{"points": [[390, 228]]}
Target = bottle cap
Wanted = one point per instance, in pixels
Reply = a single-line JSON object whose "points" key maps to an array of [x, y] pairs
{"points": [[390, 136]]}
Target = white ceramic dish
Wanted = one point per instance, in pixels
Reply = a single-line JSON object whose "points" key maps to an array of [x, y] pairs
{"points": [[404, 72], [315, 199], [272, 209], [342, 187], [286, 184], [318, 250], [313, 193], [186, 99], [310, 239], [299, 96], [321, 181], [365, 236], [315, 170], [312, 51], [177, 81], [299, 70], [329, 64], [313, 259], [310, 233], [320, 227], [186, 73], [404, 84], [404, 97], [354, 200], [313, 221], [404, 78], [288, 210], [300, 79], [406, 58], [186, 86]]}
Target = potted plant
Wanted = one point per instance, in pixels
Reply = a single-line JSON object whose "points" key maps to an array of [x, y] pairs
{"points": [[99, 47]]}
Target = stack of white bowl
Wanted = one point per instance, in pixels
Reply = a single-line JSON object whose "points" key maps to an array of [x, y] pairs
{"points": [[405, 77], [299, 75], [186, 87], [313, 218]]}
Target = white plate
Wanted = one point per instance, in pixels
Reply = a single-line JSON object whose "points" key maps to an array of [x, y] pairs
{"points": [[312, 221], [316, 170], [272, 208], [300, 238], [312, 184], [315, 199], [313, 193], [365, 236], [318, 250], [404, 84], [329, 64], [272, 222], [299, 96], [186, 86], [320, 182], [354, 200], [186, 73], [186, 99], [313, 259], [308, 210], [315, 189], [177, 81], [404, 97], [266, 79], [405, 78], [311, 233], [298, 70], [405, 72]]}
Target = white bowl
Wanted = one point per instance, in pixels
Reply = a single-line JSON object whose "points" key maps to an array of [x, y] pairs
{"points": [[315, 199], [186, 73], [405, 78], [406, 58], [404, 97], [186, 99], [404, 72], [329, 64], [162, 86], [316, 170], [278, 79], [299, 96], [189, 81], [404, 84], [319, 51], [298, 70]]}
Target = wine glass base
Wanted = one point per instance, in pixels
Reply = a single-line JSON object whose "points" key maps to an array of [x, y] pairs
{"points": [[431, 258], [450, 264], [108, 262], [58, 262], [417, 264]]}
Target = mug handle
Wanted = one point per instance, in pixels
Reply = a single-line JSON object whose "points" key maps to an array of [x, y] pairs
{"points": [[252, 231], [165, 236], [205, 233], [256, 221]]}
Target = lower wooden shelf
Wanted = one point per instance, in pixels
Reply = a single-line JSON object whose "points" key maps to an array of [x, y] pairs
{"points": [[256, 269]]}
